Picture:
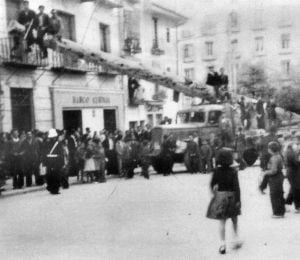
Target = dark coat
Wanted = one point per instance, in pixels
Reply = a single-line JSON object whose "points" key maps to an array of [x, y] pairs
{"points": [[212, 79], [25, 18], [30, 151], [45, 21], [223, 80], [227, 180], [56, 162]]}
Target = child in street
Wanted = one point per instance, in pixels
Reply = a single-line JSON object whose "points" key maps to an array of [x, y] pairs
{"points": [[226, 202]]}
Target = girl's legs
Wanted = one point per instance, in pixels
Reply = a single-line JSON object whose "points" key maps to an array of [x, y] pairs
{"points": [[222, 249], [237, 243]]}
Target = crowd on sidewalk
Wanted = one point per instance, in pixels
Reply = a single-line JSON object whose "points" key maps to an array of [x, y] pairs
{"points": [[60, 154]]}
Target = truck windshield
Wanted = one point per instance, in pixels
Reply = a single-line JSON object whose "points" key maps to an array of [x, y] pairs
{"points": [[191, 117]]}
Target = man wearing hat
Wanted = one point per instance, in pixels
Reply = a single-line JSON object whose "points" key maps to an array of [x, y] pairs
{"points": [[54, 161], [27, 17], [42, 27]]}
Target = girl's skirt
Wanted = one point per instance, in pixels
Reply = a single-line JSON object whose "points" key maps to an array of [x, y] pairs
{"points": [[223, 205]]}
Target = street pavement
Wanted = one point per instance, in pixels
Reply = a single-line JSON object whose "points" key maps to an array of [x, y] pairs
{"points": [[160, 218]]}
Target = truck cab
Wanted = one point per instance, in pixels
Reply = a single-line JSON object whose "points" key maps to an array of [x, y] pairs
{"points": [[204, 120]]}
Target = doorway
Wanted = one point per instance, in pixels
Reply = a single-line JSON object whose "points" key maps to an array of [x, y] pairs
{"points": [[72, 119], [22, 108], [110, 123]]}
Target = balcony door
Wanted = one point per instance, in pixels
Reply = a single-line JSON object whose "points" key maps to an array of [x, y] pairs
{"points": [[68, 25], [12, 9], [22, 108]]}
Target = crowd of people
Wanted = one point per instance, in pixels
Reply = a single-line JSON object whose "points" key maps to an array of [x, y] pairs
{"points": [[54, 156], [37, 26]]}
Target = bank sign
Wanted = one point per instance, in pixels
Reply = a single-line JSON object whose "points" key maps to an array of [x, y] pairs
{"points": [[86, 100]]}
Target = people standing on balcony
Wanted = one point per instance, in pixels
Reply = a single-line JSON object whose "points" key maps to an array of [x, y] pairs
{"points": [[27, 17], [42, 28], [213, 80], [55, 25]]}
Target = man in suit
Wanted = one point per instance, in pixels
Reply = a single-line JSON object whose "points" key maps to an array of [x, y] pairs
{"points": [[27, 17], [42, 27], [30, 158], [213, 80]]}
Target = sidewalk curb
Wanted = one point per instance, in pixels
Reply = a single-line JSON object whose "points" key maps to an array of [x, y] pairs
{"points": [[7, 194]]}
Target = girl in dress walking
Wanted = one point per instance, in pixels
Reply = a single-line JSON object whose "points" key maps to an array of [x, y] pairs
{"points": [[226, 202]]}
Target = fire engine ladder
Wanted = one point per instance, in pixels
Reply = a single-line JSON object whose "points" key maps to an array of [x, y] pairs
{"points": [[131, 68]]}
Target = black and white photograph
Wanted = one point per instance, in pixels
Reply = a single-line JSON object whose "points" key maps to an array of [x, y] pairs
{"points": [[149, 129]]}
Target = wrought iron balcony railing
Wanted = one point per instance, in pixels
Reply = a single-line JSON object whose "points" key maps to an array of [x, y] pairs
{"points": [[132, 46], [15, 52]]}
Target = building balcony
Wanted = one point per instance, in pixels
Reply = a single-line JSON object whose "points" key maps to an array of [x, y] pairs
{"points": [[156, 49], [69, 62], [13, 52], [132, 46]]}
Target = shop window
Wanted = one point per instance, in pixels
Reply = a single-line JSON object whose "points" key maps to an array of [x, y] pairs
{"points": [[104, 37], [68, 25], [285, 41]]}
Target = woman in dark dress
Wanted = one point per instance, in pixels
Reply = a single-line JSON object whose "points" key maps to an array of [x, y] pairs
{"points": [[275, 180], [226, 202]]}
